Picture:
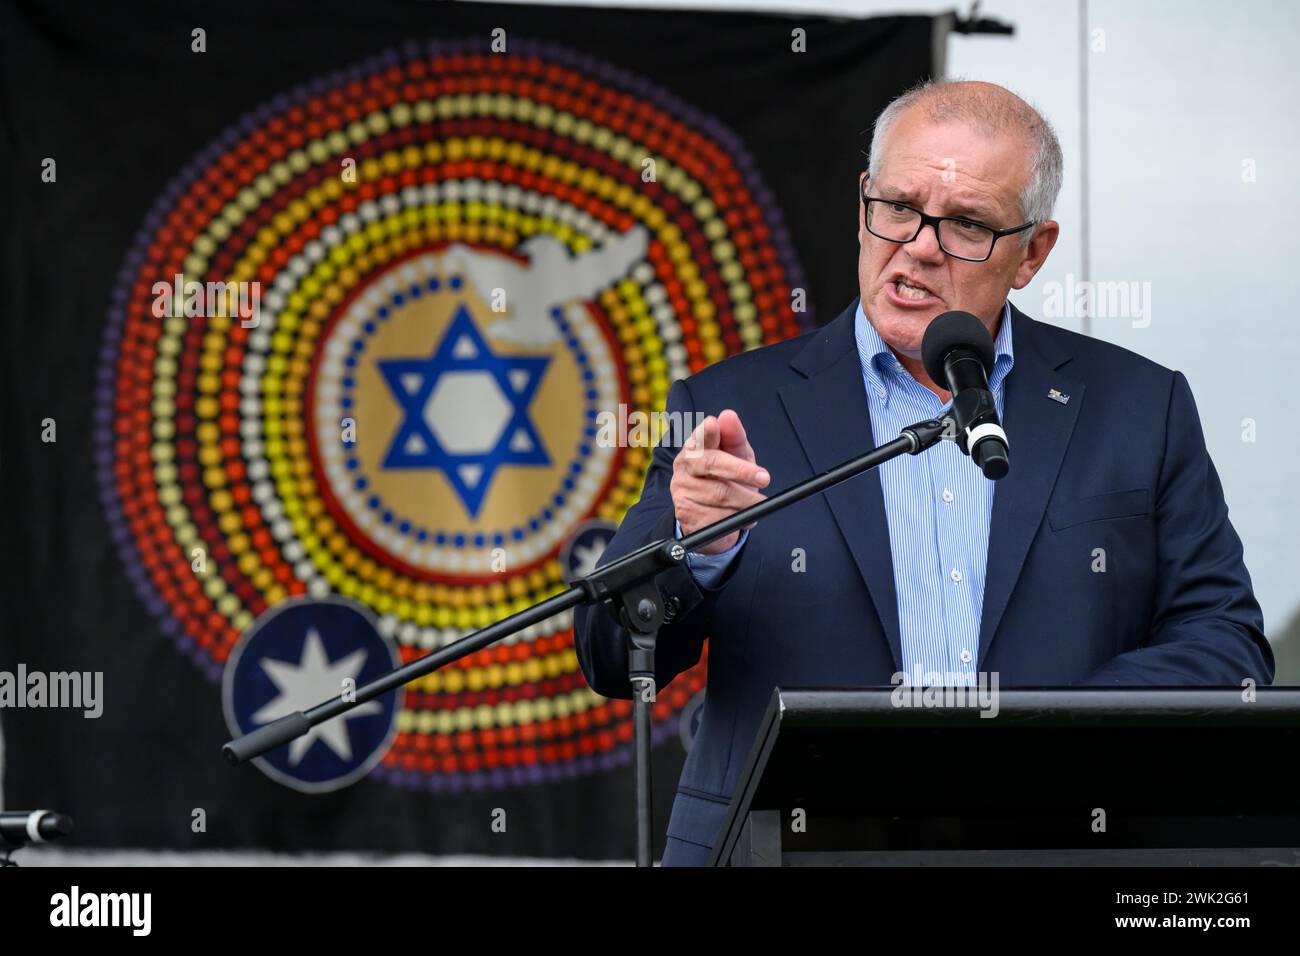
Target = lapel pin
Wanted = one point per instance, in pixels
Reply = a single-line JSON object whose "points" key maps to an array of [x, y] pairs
{"points": [[1057, 395]]}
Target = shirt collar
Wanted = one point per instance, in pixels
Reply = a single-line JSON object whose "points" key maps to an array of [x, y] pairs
{"points": [[882, 369]]}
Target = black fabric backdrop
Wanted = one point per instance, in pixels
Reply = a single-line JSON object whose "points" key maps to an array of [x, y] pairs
{"points": [[115, 94]]}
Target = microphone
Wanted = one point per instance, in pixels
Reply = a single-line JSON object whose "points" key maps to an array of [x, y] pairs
{"points": [[21, 827], [957, 351]]}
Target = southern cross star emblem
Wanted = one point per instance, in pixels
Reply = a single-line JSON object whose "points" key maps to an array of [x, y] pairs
{"points": [[465, 411]]}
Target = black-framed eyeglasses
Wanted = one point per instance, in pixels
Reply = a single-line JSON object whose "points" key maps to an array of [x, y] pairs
{"points": [[959, 238]]}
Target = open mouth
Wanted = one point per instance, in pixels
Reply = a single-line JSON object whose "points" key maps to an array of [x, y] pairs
{"points": [[907, 291]]}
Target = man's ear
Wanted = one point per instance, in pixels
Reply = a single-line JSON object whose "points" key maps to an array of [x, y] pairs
{"points": [[1044, 238], [862, 178]]}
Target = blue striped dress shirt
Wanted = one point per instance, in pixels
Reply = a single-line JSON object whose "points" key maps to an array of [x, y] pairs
{"points": [[938, 507]]}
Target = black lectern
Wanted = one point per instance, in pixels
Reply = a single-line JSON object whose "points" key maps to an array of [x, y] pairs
{"points": [[1096, 777]]}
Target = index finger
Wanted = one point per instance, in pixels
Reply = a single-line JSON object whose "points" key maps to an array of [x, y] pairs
{"points": [[732, 437], [707, 435], [716, 463]]}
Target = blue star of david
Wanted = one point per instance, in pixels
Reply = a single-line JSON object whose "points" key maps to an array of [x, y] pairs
{"points": [[413, 381]]}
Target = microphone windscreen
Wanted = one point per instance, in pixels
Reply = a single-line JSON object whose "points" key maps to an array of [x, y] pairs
{"points": [[952, 330]]}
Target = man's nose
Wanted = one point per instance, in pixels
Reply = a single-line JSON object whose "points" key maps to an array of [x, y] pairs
{"points": [[925, 247]]}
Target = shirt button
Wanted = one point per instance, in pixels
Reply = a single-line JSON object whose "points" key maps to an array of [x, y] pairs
{"points": [[947, 496], [880, 392], [965, 656], [955, 575]]}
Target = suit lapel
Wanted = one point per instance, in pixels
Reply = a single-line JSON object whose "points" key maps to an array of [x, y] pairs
{"points": [[1038, 430], [828, 410]]}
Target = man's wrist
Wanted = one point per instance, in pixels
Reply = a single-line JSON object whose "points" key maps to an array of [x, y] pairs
{"points": [[707, 569]]}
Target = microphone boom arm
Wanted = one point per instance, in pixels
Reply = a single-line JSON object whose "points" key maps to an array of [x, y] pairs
{"points": [[626, 587]]}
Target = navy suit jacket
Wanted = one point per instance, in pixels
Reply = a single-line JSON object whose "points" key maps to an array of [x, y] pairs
{"points": [[1121, 466]]}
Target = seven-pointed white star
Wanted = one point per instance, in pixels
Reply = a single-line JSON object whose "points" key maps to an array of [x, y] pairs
{"points": [[586, 556], [304, 685]]}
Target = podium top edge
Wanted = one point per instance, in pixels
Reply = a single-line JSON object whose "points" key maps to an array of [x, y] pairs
{"points": [[1047, 704]]}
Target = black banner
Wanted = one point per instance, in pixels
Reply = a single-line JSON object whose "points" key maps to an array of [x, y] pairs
{"points": [[333, 332]]}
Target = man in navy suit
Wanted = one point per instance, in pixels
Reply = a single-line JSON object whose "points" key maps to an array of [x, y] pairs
{"points": [[1104, 558]]}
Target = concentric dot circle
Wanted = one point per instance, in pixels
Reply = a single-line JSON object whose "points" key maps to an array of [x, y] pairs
{"points": [[219, 444], [532, 536]]}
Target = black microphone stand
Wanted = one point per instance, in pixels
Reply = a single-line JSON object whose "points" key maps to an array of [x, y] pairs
{"points": [[627, 588]]}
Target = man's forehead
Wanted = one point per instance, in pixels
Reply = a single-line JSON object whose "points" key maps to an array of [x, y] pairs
{"points": [[951, 195], [979, 171]]}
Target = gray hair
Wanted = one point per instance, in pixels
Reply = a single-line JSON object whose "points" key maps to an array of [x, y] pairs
{"points": [[991, 112]]}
